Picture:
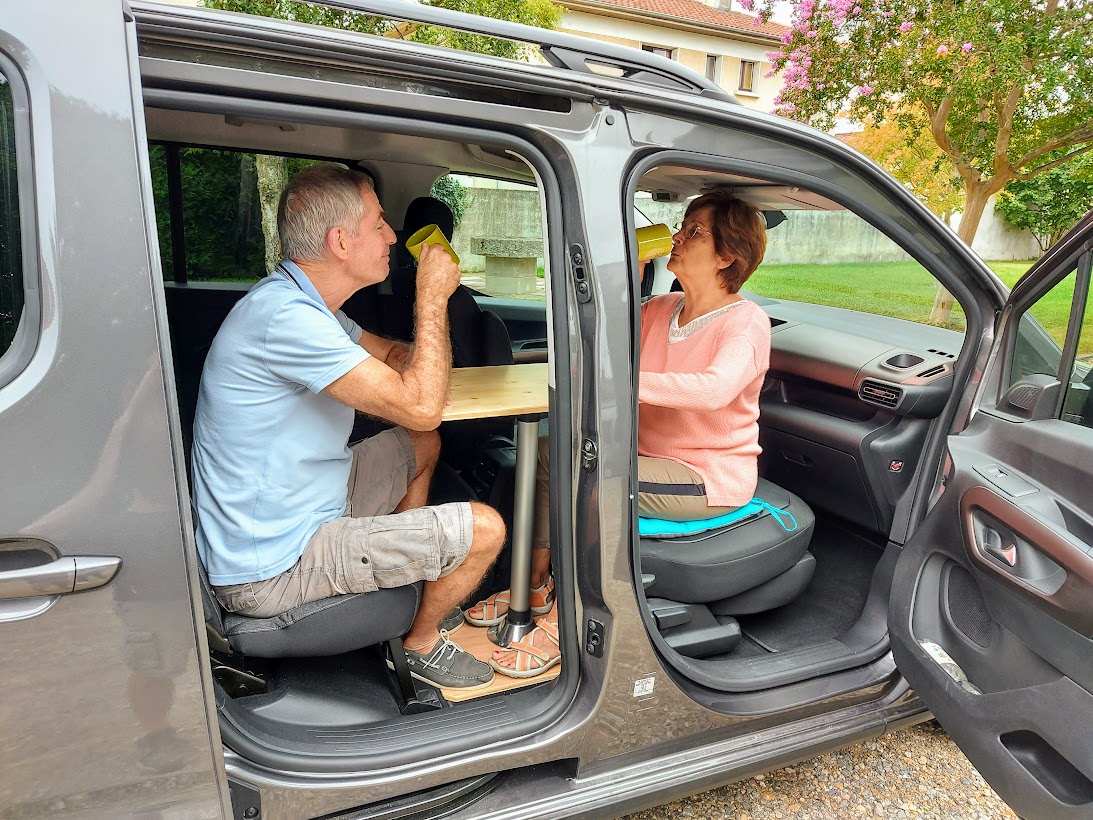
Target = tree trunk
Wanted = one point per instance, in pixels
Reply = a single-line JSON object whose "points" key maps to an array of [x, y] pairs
{"points": [[247, 188], [975, 203], [272, 178]]}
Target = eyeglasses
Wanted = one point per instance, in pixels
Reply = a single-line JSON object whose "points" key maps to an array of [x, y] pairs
{"points": [[691, 229]]}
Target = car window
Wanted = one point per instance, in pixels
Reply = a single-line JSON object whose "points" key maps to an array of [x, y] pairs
{"points": [[1042, 332], [11, 255], [834, 258], [498, 235], [216, 211], [1063, 314], [1077, 407]]}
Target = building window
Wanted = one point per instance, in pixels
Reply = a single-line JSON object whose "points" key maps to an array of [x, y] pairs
{"points": [[749, 76], [663, 52], [713, 68]]}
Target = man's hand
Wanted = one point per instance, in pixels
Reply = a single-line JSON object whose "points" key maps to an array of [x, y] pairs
{"points": [[409, 385], [437, 274]]}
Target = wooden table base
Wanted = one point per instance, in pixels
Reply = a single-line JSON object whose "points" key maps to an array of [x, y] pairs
{"points": [[475, 640]]}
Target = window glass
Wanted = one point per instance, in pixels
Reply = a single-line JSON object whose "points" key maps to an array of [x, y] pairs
{"points": [[713, 67], [1041, 337], [229, 211], [663, 52], [11, 253], [498, 235], [834, 258], [1042, 332], [749, 72], [1077, 407]]}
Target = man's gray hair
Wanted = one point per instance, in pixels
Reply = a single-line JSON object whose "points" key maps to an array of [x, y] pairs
{"points": [[314, 201]]}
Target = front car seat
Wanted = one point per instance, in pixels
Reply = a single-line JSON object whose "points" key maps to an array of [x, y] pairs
{"points": [[696, 582]]}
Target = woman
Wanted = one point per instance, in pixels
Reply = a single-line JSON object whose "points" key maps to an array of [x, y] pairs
{"points": [[704, 353]]}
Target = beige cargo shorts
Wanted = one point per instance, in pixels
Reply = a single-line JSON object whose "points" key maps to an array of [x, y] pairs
{"points": [[368, 547]]}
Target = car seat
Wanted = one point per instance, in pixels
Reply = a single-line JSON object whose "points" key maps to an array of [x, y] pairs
{"points": [[699, 576], [330, 626], [479, 337]]}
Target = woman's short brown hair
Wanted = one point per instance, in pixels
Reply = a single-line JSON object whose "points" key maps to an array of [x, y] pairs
{"points": [[738, 230]]}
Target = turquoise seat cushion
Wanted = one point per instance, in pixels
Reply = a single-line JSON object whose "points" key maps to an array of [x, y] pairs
{"points": [[662, 528]]}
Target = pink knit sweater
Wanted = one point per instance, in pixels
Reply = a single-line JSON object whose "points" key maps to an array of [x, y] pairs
{"points": [[699, 396]]}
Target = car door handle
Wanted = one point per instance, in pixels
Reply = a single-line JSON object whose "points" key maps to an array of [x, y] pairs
{"points": [[1045, 565], [60, 576], [1002, 549]]}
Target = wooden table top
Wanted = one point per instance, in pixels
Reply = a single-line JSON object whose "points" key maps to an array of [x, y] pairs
{"points": [[504, 390]]}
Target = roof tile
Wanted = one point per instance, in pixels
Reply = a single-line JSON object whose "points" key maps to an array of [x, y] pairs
{"points": [[697, 12]]}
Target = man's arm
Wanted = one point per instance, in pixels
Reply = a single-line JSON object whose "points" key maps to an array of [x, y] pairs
{"points": [[395, 355], [415, 397]]}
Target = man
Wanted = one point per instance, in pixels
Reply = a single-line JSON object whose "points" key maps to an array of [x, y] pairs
{"points": [[287, 513]]}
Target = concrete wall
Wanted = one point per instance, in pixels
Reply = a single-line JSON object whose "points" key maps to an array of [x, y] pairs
{"points": [[496, 213], [831, 237], [995, 240], [817, 237], [807, 236]]}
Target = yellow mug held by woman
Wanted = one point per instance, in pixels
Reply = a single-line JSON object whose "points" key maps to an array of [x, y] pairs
{"points": [[432, 235], [653, 241]]}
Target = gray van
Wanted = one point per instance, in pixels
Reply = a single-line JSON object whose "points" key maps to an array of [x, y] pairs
{"points": [[942, 562]]}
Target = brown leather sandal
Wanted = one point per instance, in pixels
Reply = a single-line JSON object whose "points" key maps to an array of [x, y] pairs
{"points": [[496, 607]]}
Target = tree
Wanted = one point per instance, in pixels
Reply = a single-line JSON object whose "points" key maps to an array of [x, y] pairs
{"points": [[452, 193], [273, 172], [1050, 204], [915, 160], [1005, 87]]}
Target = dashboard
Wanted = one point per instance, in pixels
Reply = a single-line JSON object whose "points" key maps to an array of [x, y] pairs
{"points": [[847, 405]]}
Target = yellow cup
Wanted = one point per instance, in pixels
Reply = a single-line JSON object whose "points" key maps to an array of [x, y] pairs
{"points": [[653, 241], [431, 235]]}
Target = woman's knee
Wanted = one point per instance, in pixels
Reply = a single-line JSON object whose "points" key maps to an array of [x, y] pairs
{"points": [[489, 528], [544, 454]]}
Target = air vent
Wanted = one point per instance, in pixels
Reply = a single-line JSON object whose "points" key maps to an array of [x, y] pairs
{"points": [[933, 371], [941, 353], [874, 392]]}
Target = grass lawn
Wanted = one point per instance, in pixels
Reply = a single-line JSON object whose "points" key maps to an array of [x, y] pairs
{"points": [[900, 289]]}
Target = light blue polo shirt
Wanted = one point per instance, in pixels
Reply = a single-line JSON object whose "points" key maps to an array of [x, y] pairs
{"points": [[270, 456]]}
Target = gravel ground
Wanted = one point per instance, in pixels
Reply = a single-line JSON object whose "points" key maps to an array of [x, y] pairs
{"points": [[917, 772]]}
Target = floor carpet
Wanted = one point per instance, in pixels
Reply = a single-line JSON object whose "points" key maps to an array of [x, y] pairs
{"points": [[833, 600]]}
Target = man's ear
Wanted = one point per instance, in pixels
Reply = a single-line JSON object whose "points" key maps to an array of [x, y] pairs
{"points": [[337, 243]]}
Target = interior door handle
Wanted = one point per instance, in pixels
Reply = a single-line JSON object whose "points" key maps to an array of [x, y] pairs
{"points": [[1002, 549], [60, 576]]}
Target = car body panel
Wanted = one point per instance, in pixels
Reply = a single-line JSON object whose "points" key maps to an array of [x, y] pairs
{"points": [[133, 661], [999, 577], [105, 691]]}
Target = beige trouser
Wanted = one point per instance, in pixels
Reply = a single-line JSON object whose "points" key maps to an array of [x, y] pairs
{"points": [[666, 489], [368, 547]]}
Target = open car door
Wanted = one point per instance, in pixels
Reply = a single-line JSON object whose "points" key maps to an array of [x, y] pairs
{"points": [[991, 615]]}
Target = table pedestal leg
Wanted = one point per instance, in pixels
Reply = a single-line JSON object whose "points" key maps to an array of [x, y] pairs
{"points": [[519, 623]]}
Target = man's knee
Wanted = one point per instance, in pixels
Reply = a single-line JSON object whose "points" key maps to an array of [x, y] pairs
{"points": [[489, 529]]}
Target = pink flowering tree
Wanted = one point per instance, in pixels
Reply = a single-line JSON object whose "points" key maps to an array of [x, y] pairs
{"points": [[1004, 87]]}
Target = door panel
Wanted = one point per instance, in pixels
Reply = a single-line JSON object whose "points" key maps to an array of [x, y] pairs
{"points": [[991, 616], [104, 701]]}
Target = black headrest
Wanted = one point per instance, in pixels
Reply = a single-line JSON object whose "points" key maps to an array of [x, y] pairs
{"points": [[427, 210]]}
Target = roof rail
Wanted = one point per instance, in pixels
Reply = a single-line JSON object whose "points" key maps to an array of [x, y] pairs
{"points": [[568, 51]]}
